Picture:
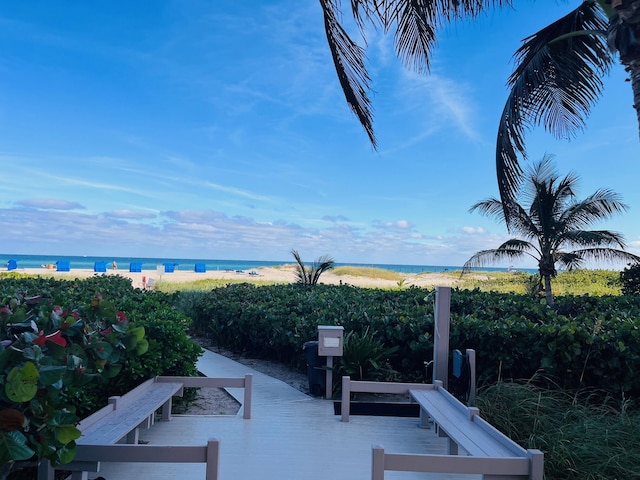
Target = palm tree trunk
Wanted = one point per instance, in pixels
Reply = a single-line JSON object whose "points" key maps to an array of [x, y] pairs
{"points": [[548, 293], [627, 43], [634, 75]]}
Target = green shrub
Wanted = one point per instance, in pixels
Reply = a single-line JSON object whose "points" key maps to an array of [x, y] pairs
{"points": [[630, 279]]}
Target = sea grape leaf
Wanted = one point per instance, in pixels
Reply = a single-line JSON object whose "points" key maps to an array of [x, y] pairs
{"points": [[51, 374], [13, 446], [22, 383], [67, 433]]}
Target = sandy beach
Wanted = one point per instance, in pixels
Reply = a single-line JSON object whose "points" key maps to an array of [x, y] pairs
{"points": [[283, 274]]}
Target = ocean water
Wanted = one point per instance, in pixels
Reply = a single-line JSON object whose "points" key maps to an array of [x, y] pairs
{"points": [[188, 264]]}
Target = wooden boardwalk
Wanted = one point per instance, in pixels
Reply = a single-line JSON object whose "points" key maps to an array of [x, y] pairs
{"points": [[290, 436]]}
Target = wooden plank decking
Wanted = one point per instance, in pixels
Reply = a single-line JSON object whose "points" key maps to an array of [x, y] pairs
{"points": [[290, 436]]}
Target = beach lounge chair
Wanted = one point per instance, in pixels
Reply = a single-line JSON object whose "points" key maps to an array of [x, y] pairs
{"points": [[135, 267], [169, 267], [63, 266], [200, 268], [100, 267]]}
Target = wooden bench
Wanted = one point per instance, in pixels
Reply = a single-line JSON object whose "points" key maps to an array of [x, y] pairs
{"points": [[474, 445], [123, 417]]}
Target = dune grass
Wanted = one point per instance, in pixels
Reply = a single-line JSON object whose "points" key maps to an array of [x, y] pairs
{"points": [[369, 272], [206, 284], [584, 436], [579, 282]]}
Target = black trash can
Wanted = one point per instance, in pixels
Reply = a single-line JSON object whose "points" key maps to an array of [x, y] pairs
{"points": [[316, 374]]}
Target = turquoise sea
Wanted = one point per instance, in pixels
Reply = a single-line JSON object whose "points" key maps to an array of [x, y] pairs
{"points": [[188, 264]]}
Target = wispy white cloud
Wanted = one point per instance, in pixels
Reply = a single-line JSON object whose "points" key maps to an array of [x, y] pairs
{"points": [[449, 101], [473, 230], [396, 225], [50, 204], [237, 191], [67, 181], [129, 214]]}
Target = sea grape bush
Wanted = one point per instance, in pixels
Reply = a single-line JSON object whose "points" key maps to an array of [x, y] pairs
{"points": [[47, 350], [583, 341], [273, 322], [95, 312]]}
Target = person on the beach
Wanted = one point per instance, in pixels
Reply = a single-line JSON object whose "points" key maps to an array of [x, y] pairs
{"points": [[114, 265]]}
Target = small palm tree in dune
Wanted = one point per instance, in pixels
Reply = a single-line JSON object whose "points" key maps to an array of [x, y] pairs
{"points": [[310, 275]]}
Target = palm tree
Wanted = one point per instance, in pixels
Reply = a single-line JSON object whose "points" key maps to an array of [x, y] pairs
{"points": [[311, 275], [551, 227], [558, 70]]}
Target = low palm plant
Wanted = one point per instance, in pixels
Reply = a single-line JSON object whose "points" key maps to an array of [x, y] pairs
{"points": [[366, 358], [311, 275]]}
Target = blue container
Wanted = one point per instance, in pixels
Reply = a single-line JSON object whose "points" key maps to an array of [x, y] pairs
{"points": [[100, 267], [169, 267], [12, 264], [135, 267], [63, 265], [200, 268]]}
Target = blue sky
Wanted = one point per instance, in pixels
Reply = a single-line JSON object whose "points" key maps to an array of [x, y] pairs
{"points": [[199, 129]]}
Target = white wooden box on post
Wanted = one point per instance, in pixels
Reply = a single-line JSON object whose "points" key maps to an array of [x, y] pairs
{"points": [[330, 344]]}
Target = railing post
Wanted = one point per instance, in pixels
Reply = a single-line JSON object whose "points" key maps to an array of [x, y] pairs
{"points": [[248, 387], [345, 405], [377, 463], [441, 335], [213, 458]]}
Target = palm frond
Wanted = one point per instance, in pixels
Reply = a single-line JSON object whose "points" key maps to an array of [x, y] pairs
{"points": [[594, 238], [301, 269], [320, 266], [415, 34], [490, 207], [600, 205], [415, 23], [570, 260], [489, 257], [349, 61], [556, 81], [607, 255]]}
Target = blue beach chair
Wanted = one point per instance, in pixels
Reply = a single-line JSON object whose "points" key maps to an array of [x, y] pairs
{"points": [[63, 265], [135, 267]]}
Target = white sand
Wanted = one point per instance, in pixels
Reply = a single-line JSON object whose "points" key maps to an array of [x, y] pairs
{"points": [[285, 274]]}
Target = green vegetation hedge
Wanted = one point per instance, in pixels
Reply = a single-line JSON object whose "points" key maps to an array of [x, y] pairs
{"points": [[67, 346], [583, 342]]}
